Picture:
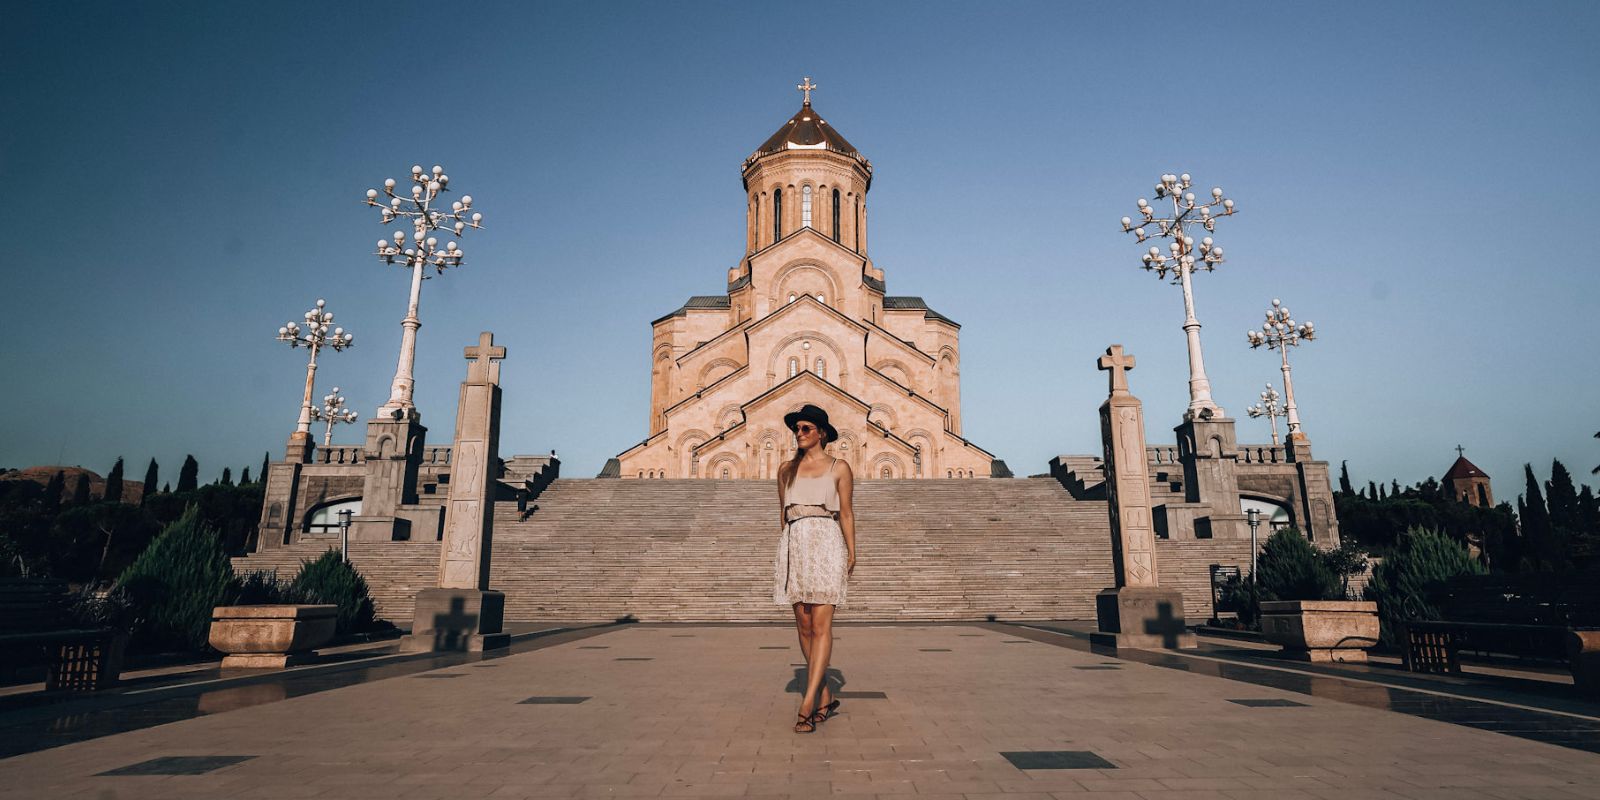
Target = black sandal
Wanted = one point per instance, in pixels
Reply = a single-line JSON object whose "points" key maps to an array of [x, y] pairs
{"points": [[828, 711], [809, 721]]}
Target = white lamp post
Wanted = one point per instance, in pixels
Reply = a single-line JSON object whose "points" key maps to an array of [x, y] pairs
{"points": [[318, 333], [1269, 408], [423, 249], [1184, 255], [333, 412], [1279, 332]]}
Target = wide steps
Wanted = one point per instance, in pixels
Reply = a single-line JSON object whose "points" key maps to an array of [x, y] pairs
{"points": [[703, 550]]}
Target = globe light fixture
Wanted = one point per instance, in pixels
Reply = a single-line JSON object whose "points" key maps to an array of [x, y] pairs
{"points": [[431, 243], [1280, 332], [333, 413], [318, 332], [1181, 257], [1269, 408]]}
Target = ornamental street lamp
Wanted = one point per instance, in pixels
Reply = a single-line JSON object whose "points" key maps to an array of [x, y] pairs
{"points": [[1269, 408], [315, 336], [1182, 258], [333, 412], [423, 249], [1254, 517], [1279, 332], [344, 534]]}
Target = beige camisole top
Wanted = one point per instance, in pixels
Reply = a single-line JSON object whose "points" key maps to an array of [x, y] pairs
{"points": [[821, 491]]}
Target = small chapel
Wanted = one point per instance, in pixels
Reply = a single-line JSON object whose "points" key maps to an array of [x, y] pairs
{"points": [[806, 318]]}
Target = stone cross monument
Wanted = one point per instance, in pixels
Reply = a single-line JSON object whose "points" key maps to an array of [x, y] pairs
{"points": [[1136, 612], [463, 613]]}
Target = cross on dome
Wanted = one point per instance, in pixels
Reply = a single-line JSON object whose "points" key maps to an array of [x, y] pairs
{"points": [[1461, 451], [806, 87]]}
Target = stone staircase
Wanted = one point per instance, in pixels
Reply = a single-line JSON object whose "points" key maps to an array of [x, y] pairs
{"points": [[702, 550]]}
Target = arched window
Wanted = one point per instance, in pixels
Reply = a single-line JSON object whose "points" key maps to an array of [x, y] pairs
{"points": [[949, 473], [887, 473], [777, 214], [822, 368], [805, 207], [835, 216], [325, 519], [726, 474], [794, 367]]}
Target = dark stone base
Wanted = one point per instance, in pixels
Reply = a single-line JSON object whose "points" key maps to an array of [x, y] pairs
{"points": [[460, 620], [1149, 618]]}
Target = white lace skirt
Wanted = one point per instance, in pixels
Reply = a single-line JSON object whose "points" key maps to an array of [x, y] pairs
{"points": [[813, 563]]}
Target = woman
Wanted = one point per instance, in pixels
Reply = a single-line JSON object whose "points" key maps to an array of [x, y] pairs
{"points": [[816, 553]]}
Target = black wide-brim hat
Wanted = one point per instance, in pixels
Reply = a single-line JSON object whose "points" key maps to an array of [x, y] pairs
{"points": [[815, 416]]}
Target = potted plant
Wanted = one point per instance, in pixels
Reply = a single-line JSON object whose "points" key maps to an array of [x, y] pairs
{"points": [[264, 624], [1304, 609]]}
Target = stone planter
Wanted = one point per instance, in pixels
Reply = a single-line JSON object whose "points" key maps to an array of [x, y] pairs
{"points": [[1321, 630], [270, 637], [1583, 658]]}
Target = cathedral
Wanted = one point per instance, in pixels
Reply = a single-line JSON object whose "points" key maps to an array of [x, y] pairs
{"points": [[806, 318]]}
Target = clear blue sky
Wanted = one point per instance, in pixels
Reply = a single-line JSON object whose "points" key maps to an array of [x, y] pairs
{"points": [[181, 178]]}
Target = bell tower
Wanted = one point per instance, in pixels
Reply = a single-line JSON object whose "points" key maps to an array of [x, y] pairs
{"points": [[806, 175]]}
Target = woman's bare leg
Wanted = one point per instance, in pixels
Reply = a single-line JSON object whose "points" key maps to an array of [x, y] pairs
{"points": [[821, 652]]}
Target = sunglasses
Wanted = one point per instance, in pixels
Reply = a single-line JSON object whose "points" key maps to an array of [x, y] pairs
{"points": [[805, 427]]}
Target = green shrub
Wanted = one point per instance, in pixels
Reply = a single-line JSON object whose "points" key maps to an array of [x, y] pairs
{"points": [[260, 588], [173, 585], [330, 580], [1242, 597], [1421, 559], [1291, 569]]}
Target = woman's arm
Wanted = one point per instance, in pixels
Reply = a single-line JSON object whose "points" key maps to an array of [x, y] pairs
{"points": [[847, 511], [782, 482]]}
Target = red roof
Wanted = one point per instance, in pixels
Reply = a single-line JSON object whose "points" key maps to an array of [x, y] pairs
{"points": [[1463, 469]]}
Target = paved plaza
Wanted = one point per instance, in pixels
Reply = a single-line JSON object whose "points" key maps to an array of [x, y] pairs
{"points": [[947, 711]]}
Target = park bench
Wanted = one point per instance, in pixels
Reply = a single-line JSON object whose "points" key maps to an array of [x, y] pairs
{"points": [[37, 630], [1546, 618]]}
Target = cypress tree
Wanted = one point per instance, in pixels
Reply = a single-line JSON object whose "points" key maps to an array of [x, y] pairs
{"points": [[265, 460], [1588, 513], [1381, 495], [1395, 492], [151, 473], [114, 483], [189, 475], [1535, 519], [1372, 490], [1344, 478], [166, 488], [227, 476], [53, 490], [1562, 497], [244, 480], [80, 491]]}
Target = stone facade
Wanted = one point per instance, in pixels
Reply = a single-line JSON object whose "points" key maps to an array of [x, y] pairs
{"points": [[805, 319], [1198, 487]]}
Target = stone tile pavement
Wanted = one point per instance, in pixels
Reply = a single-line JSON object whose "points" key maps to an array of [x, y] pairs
{"points": [[686, 711]]}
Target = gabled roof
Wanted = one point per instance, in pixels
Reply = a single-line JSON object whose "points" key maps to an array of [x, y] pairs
{"points": [[708, 302], [1464, 469], [906, 303]]}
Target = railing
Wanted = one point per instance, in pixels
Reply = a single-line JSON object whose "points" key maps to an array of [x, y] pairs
{"points": [[1162, 454], [1263, 454], [340, 454]]}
